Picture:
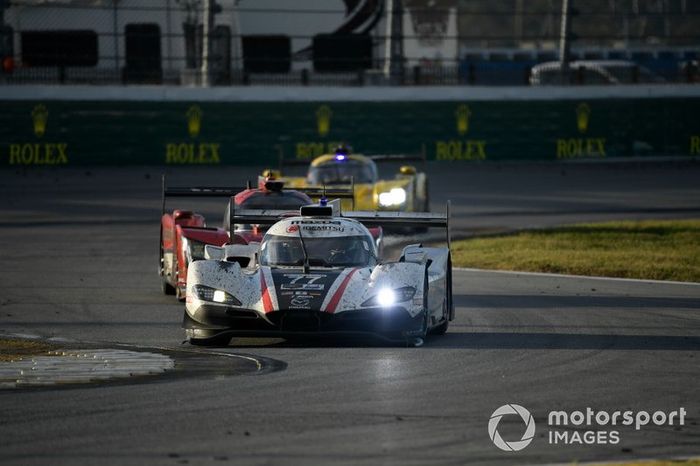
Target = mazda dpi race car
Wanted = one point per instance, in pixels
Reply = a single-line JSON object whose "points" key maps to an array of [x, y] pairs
{"points": [[406, 192], [319, 273], [184, 233]]}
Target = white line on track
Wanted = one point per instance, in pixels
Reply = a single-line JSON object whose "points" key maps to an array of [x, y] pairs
{"points": [[563, 275]]}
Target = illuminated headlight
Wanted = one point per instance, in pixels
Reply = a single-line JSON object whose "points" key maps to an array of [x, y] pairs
{"points": [[387, 297], [396, 196], [193, 250], [207, 293]]}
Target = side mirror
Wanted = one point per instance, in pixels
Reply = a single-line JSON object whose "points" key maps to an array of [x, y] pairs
{"points": [[407, 170]]}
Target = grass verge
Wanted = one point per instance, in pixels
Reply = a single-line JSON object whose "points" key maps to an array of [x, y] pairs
{"points": [[688, 462], [652, 249]]}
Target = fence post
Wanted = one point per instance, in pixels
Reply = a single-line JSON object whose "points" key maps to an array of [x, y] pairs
{"points": [[564, 40], [416, 75]]}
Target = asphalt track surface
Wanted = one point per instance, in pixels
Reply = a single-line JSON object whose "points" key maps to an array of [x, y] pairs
{"points": [[78, 254]]}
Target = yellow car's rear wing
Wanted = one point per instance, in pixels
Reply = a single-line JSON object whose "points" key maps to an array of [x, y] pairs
{"points": [[399, 157]]}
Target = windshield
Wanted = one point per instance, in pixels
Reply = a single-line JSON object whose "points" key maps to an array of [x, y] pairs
{"points": [[346, 251], [342, 173]]}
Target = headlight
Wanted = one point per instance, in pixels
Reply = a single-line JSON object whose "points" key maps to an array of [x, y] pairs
{"points": [[396, 196], [207, 293], [387, 297], [193, 250]]}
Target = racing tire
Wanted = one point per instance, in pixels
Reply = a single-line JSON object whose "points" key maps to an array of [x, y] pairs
{"points": [[426, 312], [167, 288], [442, 328], [178, 294]]}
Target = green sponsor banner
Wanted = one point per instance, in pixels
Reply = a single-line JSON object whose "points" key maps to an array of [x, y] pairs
{"points": [[240, 133]]}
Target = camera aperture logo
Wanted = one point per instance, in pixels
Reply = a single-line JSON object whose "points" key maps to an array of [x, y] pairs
{"points": [[529, 429], [585, 427]]}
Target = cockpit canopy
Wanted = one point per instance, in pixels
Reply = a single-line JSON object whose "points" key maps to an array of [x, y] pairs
{"points": [[327, 242], [349, 251], [344, 171]]}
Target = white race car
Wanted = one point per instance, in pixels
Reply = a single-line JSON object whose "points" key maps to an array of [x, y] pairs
{"points": [[318, 273]]}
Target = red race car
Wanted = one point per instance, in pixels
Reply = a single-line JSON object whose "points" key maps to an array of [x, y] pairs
{"points": [[184, 233]]}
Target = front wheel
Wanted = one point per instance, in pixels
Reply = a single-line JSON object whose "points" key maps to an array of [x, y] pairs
{"points": [[166, 287], [180, 294], [442, 328]]}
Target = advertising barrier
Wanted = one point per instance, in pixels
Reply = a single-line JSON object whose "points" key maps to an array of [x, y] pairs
{"points": [[113, 132]]}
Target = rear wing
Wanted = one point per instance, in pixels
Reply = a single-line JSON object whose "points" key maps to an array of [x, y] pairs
{"points": [[422, 157], [197, 191], [330, 193], [404, 219], [218, 191], [367, 218]]}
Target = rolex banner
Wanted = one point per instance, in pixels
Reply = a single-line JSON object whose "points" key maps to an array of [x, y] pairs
{"points": [[59, 133]]}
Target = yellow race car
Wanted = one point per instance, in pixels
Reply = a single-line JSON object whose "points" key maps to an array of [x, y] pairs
{"points": [[406, 192]]}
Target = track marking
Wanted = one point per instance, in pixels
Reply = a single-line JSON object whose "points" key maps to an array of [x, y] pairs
{"points": [[563, 275]]}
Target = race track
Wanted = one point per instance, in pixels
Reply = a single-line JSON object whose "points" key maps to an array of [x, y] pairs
{"points": [[78, 256]]}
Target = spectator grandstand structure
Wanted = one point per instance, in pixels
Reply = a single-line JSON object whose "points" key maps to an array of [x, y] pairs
{"points": [[338, 42]]}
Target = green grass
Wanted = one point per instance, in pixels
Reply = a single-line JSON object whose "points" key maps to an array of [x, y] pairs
{"points": [[654, 249], [688, 462]]}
